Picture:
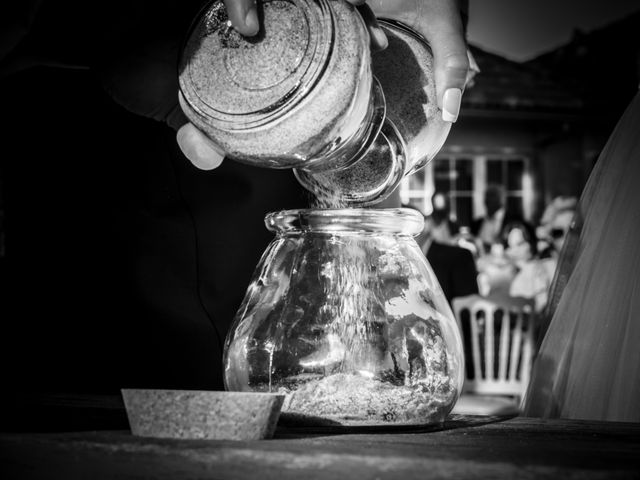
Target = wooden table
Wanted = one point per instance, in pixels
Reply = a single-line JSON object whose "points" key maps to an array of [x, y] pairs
{"points": [[464, 447]]}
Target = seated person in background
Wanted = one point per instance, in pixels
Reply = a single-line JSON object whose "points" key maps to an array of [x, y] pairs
{"points": [[465, 239], [554, 225], [488, 229], [532, 275], [453, 266], [443, 229], [535, 276]]}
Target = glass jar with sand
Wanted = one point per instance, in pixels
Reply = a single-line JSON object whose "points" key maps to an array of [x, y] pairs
{"points": [[306, 93], [300, 94], [345, 317]]}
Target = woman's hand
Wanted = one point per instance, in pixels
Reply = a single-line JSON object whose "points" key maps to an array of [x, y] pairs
{"points": [[439, 21]]}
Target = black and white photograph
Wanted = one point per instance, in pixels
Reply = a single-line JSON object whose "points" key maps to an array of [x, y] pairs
{"points": [[323, 239]]}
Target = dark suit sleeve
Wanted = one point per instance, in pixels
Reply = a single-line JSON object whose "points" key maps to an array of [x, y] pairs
{"points": [[475, 226], [44, 33], [132, 46], [464, 279]]}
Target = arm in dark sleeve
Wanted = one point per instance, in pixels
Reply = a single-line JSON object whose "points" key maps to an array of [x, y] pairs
{"points": [[44, 33], [131, 45], [136, 57], [465, 278]]}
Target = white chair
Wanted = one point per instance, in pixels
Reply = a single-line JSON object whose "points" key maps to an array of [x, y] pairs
{"points": [[499, 344]]}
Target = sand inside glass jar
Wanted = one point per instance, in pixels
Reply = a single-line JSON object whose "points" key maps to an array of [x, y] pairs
{"points": [[382, 359], [283, 96]]}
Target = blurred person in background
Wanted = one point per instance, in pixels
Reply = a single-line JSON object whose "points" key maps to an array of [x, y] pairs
{"points": [[487, 229], [496, 269], [454, 266], [532, 275], [443, 228], [554, 225]]}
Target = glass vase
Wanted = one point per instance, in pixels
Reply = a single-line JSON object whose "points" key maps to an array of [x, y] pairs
{"points": [[346, 318]]}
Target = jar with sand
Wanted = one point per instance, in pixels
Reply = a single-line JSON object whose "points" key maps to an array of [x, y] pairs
{"points": [[345, 317], [307, 94], [300, 94]]}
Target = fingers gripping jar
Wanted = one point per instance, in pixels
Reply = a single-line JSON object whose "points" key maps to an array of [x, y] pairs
{"points": [[300, 94], [346, 318]]}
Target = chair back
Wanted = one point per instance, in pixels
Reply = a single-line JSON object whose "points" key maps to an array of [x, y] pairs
{"points": [[498, 338]]}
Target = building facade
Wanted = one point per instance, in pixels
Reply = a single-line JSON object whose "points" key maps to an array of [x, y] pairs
{"points": [[535, 127]]}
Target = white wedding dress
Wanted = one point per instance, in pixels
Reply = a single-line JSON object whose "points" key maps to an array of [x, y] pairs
{"points": [[588, 365]]}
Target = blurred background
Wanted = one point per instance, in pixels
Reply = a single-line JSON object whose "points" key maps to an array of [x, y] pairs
{"points": [[554, 79]]}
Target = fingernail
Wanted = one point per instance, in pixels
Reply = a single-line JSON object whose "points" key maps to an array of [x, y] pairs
{"points": [[200, 151], [379, 38], [451, 104], [251, 21], [206, 157]]}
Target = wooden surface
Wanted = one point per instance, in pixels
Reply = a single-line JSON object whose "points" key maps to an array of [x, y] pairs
{"points": [[464, 447]]}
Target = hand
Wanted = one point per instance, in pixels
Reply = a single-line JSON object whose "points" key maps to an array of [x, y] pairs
{"points": [[439, 21]]}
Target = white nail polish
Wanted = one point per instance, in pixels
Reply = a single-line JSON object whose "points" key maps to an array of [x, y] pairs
{"points": [[451, 104], [200, 151], [380, 38]]}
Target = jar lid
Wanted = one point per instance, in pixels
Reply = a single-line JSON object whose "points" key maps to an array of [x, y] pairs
{"points": [[224, 75]]}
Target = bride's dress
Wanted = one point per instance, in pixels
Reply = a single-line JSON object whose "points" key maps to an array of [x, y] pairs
{"points": [[588, 366]]}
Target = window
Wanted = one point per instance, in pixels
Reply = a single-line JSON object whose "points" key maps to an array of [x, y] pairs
{"points": [[464, 179]]}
